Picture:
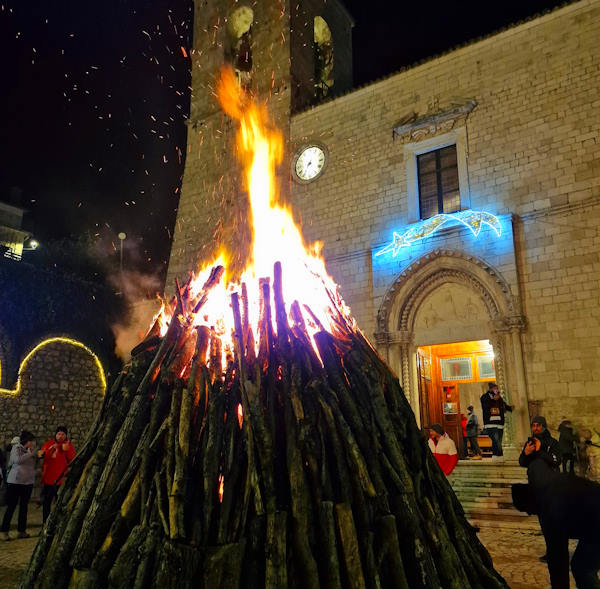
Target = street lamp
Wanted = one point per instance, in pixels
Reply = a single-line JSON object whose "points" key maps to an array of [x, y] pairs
{"points": [[122, 237], [30, 244]]}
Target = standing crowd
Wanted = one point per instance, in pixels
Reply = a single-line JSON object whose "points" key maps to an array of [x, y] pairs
{"points": [[17, 475], [567, 505]]}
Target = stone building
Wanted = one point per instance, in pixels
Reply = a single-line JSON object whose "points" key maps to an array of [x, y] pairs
{"points": [[506, 127]]}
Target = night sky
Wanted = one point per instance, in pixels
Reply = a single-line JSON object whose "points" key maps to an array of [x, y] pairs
{"points": [[94, 99]]}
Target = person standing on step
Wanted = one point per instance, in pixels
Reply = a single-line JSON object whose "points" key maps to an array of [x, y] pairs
{"points": [[20, 483], [464, 451], [57, 454], [472, 428], [442, 448], [494, 408]]}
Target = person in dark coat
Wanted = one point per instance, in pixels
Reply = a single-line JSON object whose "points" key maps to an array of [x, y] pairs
{"points": [[567, 441], [472, 428], [2, 466], [540, 449], [494, 408], [567, 507]]}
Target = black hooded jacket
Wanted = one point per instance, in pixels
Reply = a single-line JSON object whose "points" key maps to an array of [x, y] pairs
{"points": [[543, 464], [567, 439]]}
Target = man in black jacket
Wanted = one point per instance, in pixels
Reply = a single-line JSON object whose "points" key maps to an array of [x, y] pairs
{"points": [[567, 507], [493, 408], [541, 453]]}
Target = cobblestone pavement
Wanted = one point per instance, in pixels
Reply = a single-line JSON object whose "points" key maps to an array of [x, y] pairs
{"points": [[515, 555], [14, 555]]}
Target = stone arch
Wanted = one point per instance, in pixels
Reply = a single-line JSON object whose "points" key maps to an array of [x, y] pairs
{"points": [[323, 55], [501, 322], [435, 268], [60, 382]]}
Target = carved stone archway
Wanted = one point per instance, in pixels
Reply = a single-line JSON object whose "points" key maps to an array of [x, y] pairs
{"points": [[398, 336]]}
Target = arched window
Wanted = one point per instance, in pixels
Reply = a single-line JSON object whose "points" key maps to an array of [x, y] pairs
{"points": [[323, 46], [239, 30]]}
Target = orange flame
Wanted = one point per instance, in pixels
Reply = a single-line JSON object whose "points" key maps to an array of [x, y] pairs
{"points": [[275, 236], [221, 488]]}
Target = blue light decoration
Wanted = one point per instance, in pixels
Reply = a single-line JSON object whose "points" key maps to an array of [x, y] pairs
{"points": [[417, 231]]}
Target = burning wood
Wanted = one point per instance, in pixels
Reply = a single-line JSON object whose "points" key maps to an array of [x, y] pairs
{"points": [[254, 445], [321, 479]]}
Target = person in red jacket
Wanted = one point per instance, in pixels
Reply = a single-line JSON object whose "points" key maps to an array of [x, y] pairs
{"points": [[443, 448], [58, 454], [465, 448]]}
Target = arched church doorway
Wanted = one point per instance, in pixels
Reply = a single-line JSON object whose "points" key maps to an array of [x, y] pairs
{"points": [[456, 306], [450, 378]]}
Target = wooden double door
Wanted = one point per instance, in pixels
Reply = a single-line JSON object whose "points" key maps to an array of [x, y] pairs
{"points": [[439, 403]]}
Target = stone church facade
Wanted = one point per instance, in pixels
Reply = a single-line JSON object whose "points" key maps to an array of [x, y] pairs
{"points": [[518, 115]]}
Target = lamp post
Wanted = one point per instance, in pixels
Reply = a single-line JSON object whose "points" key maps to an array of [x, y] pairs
{"points": [[122, 237]]}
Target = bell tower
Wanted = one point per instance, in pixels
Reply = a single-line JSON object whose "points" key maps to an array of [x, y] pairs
{"points": [[293, 54]]}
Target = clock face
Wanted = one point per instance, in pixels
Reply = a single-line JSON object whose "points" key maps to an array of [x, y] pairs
{"points": [[310, 162]]}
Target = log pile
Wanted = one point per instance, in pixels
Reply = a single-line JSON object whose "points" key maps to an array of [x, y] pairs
{"points": [[282, 468]]}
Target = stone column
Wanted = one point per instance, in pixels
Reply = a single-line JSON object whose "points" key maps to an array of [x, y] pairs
{"points": [[510, 377], [521, 399], [397, 348]]}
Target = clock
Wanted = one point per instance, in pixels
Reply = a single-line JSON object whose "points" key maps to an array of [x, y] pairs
{"points": [[309, 163]]}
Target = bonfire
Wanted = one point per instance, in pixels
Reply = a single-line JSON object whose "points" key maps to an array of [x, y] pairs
{"points": [[256, 439]]}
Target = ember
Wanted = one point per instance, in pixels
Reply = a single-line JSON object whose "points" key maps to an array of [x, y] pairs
{"points": [[258, 441]]}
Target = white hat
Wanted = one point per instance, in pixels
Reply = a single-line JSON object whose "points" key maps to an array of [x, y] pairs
{"points": [[16, 440]]}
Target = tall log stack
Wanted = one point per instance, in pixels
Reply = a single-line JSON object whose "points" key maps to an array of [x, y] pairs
{"points": [[282, 468]]}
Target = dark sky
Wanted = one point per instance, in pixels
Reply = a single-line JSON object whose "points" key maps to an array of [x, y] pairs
{"points": [[94, 98]]}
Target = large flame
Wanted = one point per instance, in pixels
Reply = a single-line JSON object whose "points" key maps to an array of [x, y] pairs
{"points": [[275, 236]]}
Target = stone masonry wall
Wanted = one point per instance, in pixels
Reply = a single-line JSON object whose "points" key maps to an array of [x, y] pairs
{"points": [[213, 209], [60, 385], [533, 151]]}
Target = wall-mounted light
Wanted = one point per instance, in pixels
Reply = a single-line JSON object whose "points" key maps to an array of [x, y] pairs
{"points": [[417, 231]]}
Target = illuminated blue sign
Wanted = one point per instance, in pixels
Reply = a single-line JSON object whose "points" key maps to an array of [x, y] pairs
{"points": [[417, 231]]}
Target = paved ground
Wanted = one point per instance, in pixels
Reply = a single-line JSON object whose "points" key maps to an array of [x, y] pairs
{"points": [[14, 555], [515, 555]]}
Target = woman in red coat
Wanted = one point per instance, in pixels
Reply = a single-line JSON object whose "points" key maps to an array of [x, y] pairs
{"points": [[58, 454]]}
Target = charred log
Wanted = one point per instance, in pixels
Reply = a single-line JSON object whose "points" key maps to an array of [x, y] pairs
{"points": [[292, 466]]}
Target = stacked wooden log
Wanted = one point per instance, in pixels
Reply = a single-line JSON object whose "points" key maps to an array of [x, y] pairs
{"points": [[283, 468]]}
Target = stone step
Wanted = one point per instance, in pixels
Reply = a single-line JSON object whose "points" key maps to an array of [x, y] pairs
{"points": [[485, 469], [488, 503], [499, 515], [500, 495], [484, 465], [528, 525], [484, 490], [492, 482], [486, 462]]}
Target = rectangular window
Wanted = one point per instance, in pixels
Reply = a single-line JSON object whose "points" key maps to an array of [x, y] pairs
{"points": [[437, 177]]}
